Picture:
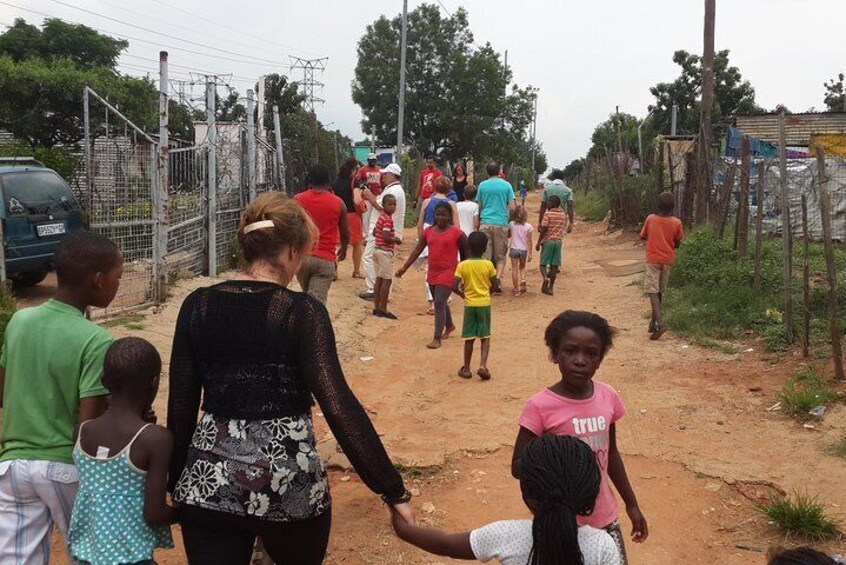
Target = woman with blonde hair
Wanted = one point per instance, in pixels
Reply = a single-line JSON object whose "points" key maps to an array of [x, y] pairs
{"points": [[256, 353]]}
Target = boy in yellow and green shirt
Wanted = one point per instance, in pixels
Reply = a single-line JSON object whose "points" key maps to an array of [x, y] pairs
{"points": [[474, 280]]}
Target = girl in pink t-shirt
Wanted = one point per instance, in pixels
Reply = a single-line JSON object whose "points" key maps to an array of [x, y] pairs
{"points": [[520, 248], [587, 409]]}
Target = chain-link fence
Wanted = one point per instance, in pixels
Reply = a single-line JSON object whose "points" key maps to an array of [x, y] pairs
{"points": [[119, 187]]}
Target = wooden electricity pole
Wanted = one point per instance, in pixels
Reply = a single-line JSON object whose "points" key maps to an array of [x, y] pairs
{"points": [[703, 177]]}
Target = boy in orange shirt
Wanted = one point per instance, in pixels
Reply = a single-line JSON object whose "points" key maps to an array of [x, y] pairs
{"points": [[663, 233]]}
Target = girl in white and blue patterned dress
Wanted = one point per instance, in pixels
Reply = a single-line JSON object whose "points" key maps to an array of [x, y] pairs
{"points": [[120, 515]]}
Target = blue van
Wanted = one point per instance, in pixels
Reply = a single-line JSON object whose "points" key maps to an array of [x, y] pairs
{"points": [[37, 210]]}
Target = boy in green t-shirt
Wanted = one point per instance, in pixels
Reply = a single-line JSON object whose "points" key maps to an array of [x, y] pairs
{"points": [[50, 379], [474, 280]]}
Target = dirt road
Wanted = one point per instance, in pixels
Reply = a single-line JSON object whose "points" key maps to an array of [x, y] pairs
{"points": [[699, 445]]}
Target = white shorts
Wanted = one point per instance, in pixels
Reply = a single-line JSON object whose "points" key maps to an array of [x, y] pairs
{"points": [[34, 495]]}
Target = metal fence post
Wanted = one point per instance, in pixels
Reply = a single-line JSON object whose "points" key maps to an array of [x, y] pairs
{"points": [[89, 181], [280, 156], [160, 222], [212, 176], [251, 146]]}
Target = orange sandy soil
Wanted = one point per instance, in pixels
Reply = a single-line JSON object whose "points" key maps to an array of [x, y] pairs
{"points": [[698, 442]]}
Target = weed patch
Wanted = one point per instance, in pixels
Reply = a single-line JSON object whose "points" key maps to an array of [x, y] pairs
{"points": [[414, 471], [592, 205], [838, 448], [805, 390], [130, 322], [800, 515]]}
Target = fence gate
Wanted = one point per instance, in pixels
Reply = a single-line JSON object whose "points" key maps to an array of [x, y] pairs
{"points": [[118, 195], [187, 234]]}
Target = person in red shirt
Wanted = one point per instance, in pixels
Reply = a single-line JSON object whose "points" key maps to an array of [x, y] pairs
{"points": [[445, 243], [370, 176], [663, 233], [329, 214], [427, 180]]}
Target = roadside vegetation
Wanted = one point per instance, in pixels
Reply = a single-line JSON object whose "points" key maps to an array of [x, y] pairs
{"points": [[8, 306], [800, 515]]}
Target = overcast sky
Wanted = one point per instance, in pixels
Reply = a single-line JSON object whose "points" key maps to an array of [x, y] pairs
{"points": [[586, 56]]}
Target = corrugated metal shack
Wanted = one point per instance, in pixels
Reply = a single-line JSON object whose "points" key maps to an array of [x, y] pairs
{"points": [[798, 127]]}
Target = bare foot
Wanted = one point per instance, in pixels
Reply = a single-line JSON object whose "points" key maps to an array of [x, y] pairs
{"points": [[435, 344], [448, 332], [357, 276]]}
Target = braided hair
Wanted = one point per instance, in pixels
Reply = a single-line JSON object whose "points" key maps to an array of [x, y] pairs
{"points": [[560, 480], [800, 556]]}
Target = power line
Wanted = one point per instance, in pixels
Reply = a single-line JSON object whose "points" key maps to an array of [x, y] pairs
{"points": [[148, 30], [192, 69], [130, 38], [192, 14]]}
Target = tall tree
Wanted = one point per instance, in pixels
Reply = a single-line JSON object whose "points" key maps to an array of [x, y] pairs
{"points": [[835, 94], [732, 94], [456, 101]]}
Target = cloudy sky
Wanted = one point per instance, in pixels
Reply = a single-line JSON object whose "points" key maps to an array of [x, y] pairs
{"points": [[586, 56]]}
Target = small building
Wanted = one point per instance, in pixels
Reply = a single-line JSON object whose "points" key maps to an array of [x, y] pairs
{"points": [[802, 131]]}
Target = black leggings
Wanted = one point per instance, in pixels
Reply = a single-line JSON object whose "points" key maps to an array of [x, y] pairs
{"points": [[219, 538], [443, 317]]}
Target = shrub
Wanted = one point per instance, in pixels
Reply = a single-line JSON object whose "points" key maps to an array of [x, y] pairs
{"points": [[592, 205], [800, 515], [805, 390]]}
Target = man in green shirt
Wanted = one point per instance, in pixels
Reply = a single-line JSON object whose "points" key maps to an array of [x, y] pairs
{"points": [[558, 187], [50, 379]]}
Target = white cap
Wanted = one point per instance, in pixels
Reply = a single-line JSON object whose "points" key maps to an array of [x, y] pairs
{"points": [[372, 157], [394, 169]]}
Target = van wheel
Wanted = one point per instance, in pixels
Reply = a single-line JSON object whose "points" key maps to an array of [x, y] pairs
{"points": [[29, 278]]}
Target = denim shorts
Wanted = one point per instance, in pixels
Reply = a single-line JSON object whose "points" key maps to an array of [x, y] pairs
{"points": [[518, 253]]}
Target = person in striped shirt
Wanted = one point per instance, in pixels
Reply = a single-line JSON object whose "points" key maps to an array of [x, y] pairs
{"points": [[550, 243], [383, 257]]}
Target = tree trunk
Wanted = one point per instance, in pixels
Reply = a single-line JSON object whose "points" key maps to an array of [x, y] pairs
{"points": [[703, 180]]}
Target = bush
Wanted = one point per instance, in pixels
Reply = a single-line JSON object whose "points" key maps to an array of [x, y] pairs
{"points": [[592, 205], [804, 391], [800, 515]]}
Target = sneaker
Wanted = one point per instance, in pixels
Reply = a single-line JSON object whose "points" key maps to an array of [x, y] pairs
{"points": [[366, 295]]}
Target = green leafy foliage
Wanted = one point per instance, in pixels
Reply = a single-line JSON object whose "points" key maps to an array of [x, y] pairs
{"points": [[800, 515], [732, 94], [592, 205], [835, 94], [456, 101], [805, 390], [8, 307]]}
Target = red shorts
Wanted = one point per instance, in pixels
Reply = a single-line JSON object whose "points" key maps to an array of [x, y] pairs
{"points": [[354, 221]]}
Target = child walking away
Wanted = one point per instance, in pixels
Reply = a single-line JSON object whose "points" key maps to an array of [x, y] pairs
{"points": [[520, 248], [663, 233], [550, 243], [121, 514], [581, 407], [445, 243], [50, 377], [523, 193], [468, 211], [474, 279], [383, 257], [560, 483]]}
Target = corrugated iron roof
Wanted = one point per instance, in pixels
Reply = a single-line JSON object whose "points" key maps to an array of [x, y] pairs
{"points": [[799, 127]]}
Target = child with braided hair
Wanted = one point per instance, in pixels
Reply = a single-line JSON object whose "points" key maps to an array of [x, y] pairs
{"points": [[560, 481], [801, 556], [581, 407]]}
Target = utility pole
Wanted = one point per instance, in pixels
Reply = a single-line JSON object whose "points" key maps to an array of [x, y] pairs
{"points": [[251, 145], [160, 200], [211, 92], [401, 110], [308, 86], [335, 143], [703, 181], [674, 119], [261, 105], [372, 138], [280, 154], [534, 135]]}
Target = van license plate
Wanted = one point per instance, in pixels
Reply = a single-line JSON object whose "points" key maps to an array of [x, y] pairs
{"points": [[50, 229]]}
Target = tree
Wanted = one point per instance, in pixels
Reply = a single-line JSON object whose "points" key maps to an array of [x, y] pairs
{"points": [[278, 91], [456, 102], [732, 95], [835, 94], [57, 39], [573, 170]]}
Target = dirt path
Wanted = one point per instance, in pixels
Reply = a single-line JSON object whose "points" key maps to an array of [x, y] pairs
{"points": [[699, 445]]}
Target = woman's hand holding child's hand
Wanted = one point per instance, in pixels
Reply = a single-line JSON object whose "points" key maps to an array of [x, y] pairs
{"points": [[640, 530]]}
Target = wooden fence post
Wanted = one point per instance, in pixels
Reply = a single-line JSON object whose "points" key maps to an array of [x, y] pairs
{"points": [[689, 189], [806, 280], [830, 266], [759, 222], [743, 210], [786, 234], [725, 201]]}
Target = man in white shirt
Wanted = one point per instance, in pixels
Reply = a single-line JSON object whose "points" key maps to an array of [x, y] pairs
{"points": [[391, 176]]}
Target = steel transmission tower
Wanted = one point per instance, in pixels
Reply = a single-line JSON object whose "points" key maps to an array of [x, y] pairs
{"points": [[309, 84]]}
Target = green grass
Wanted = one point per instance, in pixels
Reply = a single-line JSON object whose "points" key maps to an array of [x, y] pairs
{"points": [[838, 448], [592, 205], [413, 471], [130, 322], [805, 390], [716, 345], [8, 307], [800, 515]]}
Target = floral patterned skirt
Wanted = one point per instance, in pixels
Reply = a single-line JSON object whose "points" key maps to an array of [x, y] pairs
{"points": [[263, 468]]}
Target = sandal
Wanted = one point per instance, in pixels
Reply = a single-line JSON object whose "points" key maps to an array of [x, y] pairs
{"points": [[516, 292], [465, 373], [357, 276], [659, 331], [484, 374], [523, 286]]}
